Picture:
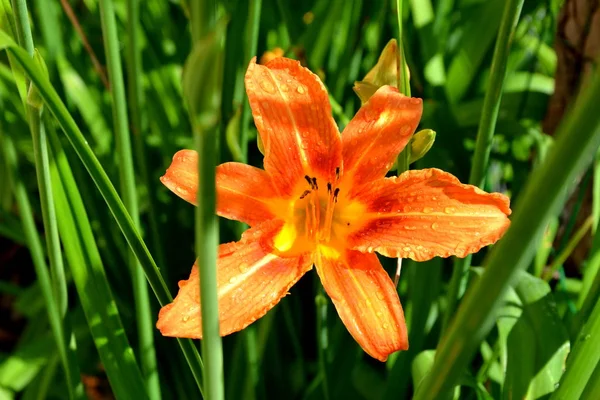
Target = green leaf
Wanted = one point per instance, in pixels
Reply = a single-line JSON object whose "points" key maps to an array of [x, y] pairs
{"points": [[537, 342]]}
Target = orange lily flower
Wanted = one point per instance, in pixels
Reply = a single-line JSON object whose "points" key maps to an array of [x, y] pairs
{"points": [[323, 200]]}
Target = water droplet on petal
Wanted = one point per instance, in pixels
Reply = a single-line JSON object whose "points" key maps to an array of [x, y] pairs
{"points": [[427, 210], [284, 88], [300, 89], [267, 86], [243, 267], [379, 314], [450, 210], [233, 279], [185, 318], [434, 226], [385, 326]]}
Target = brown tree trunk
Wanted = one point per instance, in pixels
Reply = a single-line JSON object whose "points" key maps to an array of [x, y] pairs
{"points": [[577, 47]]}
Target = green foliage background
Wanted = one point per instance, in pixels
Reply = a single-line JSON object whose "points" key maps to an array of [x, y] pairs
{"points": [[72, 130]]}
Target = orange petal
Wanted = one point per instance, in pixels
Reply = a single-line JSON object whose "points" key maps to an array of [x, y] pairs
{"points": [[244, 193], [292, 113], [250, 279], [377, 133], [182, 175], [366, 300], [428, 213]]}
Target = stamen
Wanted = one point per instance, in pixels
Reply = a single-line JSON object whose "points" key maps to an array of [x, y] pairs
{"points": [[303, 195], [337, 173], [326, 230], [314, 182], [309, 181]]}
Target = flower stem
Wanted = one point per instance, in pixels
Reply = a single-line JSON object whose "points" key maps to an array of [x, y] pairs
{"points": [[128, 191], [485, 134], [204, 101], [54, 287]]}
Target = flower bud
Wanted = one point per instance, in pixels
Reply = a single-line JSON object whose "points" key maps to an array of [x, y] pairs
{"points": [[385, 72]]}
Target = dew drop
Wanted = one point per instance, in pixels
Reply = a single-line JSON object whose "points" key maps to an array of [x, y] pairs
{"points": [[284, 88], [406, 248], [450, 210], [385, 326], [232, 279], [243, 267], [434, 226], [185, 318], [380, 296], [379, 314], [300, 89], [267, 86], [427, 210]]}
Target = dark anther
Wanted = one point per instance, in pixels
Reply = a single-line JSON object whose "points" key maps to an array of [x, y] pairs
{"points": [[314, 182], [306, 193], [337, 173], [329, 187], [308, 180], [335, 194]]}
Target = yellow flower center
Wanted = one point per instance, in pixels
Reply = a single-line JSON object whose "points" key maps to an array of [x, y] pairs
{"points": [[318, 217]]}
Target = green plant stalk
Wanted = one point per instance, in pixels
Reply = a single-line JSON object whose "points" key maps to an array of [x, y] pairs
{"points": [[568, 249], [136, 107], [252, 31], [205, 117], [485, 134], [68, 358], [403, 83], [92, 285], [106, 188], [592, 390], [42, 166], [582, 361], [578, 138], [321, 303], [143, 309]]}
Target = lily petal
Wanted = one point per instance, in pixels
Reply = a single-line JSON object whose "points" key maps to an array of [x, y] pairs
{"points": [[365, 299], [292, 113], [182, 175], [377, 133], [427, 213], [250, 279], [244, 193]]}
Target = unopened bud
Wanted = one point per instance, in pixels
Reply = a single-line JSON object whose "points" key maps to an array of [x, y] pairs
{"points": [[421, 143], [385, 72]]}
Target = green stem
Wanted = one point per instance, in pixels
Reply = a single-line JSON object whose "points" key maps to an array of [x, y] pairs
{"points": [[57, 269], [577, 140], [68, 358], [568, 249], [485, 134], [322, 337], [144, 316], [136, 107], [582, 361], [205, 124], [403, 84]]}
